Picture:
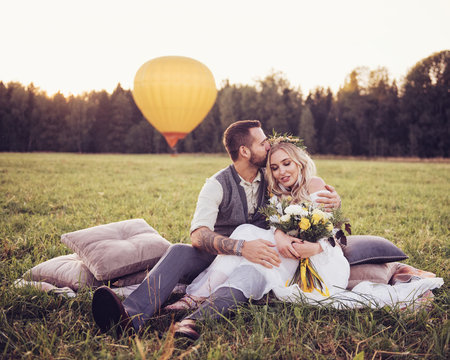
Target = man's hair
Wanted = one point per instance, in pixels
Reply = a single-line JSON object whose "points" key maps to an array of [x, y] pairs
{"points": [[238, 134]]}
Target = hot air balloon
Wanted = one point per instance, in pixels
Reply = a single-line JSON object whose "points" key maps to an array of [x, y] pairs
{"points": [[174, 93]]}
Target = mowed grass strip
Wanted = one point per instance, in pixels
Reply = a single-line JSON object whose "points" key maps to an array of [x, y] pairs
{"points": [[45, 195]]}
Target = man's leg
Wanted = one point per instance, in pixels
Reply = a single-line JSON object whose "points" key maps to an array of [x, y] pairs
{"points": [[181, 261]]}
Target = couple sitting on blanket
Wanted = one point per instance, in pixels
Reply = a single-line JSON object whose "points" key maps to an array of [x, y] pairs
{"points": [[253, 259], [266, 259]]}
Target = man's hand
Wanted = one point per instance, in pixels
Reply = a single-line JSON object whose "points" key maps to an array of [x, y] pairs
{"points": [[284, 245], [307, 249], [261, 252], [329, 200], [258, 251]]}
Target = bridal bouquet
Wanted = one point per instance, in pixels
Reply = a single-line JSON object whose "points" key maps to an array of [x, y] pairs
{"points": [[307, 222]]}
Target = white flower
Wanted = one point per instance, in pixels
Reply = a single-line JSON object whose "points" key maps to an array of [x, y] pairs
{"points": [[274, 219], [273, 200], [280, 208], [285, 218], [296, 210], [317, 211], [326, 215]]}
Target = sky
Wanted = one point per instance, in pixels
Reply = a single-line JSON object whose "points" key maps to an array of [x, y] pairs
{"points": [[83, 45]]}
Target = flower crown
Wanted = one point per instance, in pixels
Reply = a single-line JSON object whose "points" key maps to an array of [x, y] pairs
{"points": [[277, 138]]}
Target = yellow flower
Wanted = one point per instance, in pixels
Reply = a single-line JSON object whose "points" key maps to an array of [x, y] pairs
{"points": [[316, 218], [329, 226], [304, 224]]}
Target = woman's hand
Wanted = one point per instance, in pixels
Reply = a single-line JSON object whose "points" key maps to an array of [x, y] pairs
{"points": [[307, 249], [285, 245]]}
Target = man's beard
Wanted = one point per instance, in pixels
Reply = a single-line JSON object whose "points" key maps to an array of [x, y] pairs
{"points": [[258, 161]]}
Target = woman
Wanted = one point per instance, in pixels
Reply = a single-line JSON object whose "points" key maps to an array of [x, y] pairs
{"points": [[290, 172]]}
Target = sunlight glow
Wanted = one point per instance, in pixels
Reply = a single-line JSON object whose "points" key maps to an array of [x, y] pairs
{"points": [[78, 46]]}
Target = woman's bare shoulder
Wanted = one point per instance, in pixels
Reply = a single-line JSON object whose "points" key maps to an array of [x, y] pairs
{"points": [[315, 184]]}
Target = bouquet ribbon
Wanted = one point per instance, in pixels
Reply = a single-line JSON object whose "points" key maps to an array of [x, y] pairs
{"points": [[310, 279]]}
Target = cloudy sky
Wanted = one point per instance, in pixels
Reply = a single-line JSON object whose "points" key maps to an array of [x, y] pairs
{"points": [[82, 45]]}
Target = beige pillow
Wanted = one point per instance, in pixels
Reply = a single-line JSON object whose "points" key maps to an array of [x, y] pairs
{"points": [[63, 271], [117, 249], [377, 273]]}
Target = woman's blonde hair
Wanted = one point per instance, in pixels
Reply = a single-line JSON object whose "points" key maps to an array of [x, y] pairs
{"points": [[306, 166]]}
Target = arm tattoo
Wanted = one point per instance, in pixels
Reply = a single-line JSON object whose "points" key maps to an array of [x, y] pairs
{"points": [[215, 243], [225, 245]]}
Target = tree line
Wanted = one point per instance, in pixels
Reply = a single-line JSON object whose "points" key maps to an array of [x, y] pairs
{"points": [[370, 115]]}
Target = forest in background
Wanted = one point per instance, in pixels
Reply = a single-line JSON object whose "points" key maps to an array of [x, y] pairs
{"points": [[370, 115]]}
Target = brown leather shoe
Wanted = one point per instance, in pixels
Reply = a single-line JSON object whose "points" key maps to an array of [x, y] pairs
{"points": [[109, 312], [186, 328]]}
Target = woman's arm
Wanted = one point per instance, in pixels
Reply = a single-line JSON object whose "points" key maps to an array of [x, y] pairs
{"points": [[293, 248], [285, 244], [315, 184], [330, 200], [307, 249]]}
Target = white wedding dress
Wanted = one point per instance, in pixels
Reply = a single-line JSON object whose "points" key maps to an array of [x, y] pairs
{"points": [[334, 269], [237, 272]]}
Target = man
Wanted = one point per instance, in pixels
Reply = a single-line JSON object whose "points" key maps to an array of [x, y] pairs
{"points": [[228, 199]]}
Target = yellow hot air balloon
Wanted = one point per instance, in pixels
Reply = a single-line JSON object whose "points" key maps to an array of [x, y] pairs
{"points": [[174, 93]]}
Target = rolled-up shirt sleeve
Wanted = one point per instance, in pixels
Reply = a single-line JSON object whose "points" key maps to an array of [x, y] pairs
{"points": [[208, 203]]}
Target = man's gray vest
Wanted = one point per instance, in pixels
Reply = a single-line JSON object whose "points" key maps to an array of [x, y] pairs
{"points": [[233, 210]]}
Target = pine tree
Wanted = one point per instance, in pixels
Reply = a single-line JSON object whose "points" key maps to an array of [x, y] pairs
{"points": [[306, 130]]}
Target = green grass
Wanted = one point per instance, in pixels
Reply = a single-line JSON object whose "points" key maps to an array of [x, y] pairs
{"points": [[45, 195]]}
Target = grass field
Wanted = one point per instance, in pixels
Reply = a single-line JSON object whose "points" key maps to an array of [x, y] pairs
{"points": [[45, 195]]}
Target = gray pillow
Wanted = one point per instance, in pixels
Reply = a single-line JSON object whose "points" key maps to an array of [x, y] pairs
{"points": [[368, 249], [131, 279], [63, 271], [117, 249]]}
